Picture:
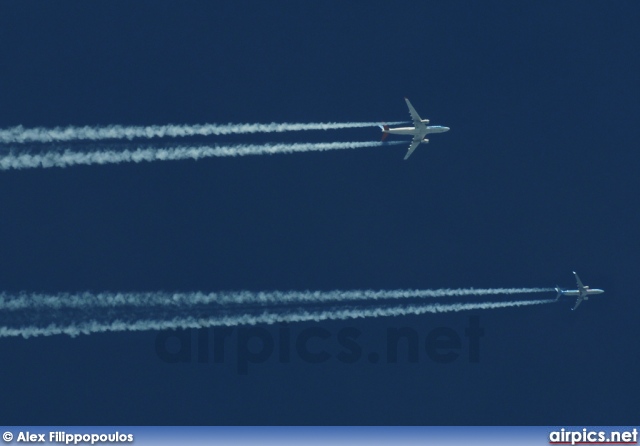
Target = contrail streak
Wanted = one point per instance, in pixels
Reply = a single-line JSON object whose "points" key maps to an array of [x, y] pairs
{"points": [[21, 135], [92, 326], [68, 157], [24, 301]]}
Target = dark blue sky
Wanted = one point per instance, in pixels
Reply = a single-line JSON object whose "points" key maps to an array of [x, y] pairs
{"points": [[537, 177]]}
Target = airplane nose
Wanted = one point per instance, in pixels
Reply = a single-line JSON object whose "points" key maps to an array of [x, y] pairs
{"points": [[445, 129]]}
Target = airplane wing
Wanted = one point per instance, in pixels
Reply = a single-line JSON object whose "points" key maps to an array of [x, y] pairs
{"points": [[414, 144], [415, 117], [578, 302], [579, 282]]}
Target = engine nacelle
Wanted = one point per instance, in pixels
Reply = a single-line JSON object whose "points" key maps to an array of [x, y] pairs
{"points": [[425, 140], [424, 121]]}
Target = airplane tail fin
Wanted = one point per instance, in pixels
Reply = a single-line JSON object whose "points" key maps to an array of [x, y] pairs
{"points": [[559, 292], [385, 131]]}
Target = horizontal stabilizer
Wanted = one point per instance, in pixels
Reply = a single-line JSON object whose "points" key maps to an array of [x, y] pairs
{"points": [[385, 131]]}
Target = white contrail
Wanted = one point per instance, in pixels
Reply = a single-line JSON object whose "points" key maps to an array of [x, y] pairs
{"points": [[266, 317], [21, 135], [88, 300], [68, 157]]}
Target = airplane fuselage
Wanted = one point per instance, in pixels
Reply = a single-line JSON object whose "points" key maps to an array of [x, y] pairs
{"points": [[422, 132], [576, 293]]}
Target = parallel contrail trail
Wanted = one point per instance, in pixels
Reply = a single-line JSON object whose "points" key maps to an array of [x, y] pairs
{"points": [[92, 326], [19, 134], [24, 301], [68, 157]]}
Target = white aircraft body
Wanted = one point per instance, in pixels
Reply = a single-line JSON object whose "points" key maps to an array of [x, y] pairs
{"points": [[582, 293], [419, 130]]}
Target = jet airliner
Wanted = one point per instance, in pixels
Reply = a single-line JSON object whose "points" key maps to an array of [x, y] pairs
{"points": [[419, 130], [582, 293]]}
